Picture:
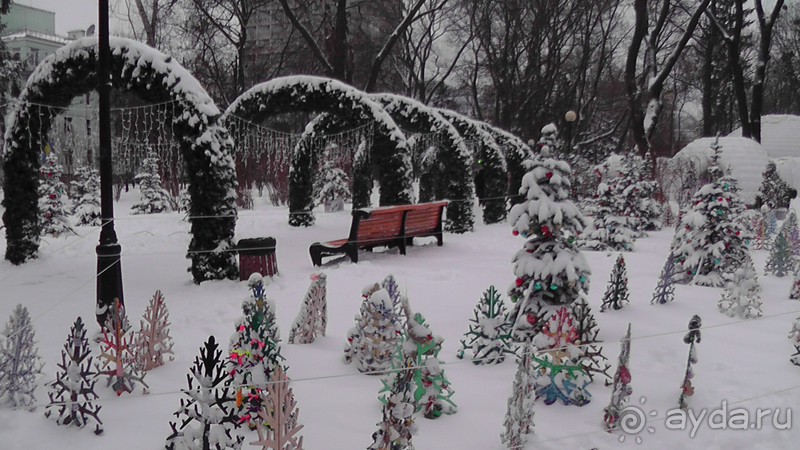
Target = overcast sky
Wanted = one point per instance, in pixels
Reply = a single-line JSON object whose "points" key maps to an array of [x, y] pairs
{"points": [[70, 14]]}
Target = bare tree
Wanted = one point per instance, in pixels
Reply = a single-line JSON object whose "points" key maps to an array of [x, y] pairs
{"points": [[148, 19]]}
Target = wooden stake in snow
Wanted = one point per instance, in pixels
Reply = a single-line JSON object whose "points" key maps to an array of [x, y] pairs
{"points": [[313, 317], [153, 341], [279, 412]]}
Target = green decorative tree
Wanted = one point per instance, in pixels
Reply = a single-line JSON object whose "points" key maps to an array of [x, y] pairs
{"points": [[711, 241], [621, 389], [154, 199], [549, 269], [20, 363], [617, 293], [72, 393], [208, 406], [254, 350], [740, 297], [780, 261], [691, 338], [489, 333], [592, 360], [86, 195], [665, 289], [53, 212]]}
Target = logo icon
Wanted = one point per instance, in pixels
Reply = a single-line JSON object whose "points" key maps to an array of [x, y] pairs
{"points": [[633, 421]]}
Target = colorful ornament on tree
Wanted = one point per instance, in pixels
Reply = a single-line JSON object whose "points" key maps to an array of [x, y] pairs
{"points": [[620, 388], [691, 338]]}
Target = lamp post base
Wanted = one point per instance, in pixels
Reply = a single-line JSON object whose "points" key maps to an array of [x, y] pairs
{"points": [[109, 280]]}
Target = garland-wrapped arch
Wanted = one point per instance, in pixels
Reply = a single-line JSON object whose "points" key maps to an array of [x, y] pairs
{"points": [[72, 71], [449, 175], [516, 151], [303, 93], [491, 174]]}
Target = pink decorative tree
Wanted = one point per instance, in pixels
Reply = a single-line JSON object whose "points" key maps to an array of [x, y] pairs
{"points": [[119, 362], [153, 341], [313, 316], [279, 413]]}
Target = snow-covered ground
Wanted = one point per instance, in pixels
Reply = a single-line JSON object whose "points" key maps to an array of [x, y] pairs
{"points": [[743, 363]]}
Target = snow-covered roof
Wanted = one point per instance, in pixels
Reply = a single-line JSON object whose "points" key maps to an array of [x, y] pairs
{"points": [[789, 170], [746, 158], [780, 135]]}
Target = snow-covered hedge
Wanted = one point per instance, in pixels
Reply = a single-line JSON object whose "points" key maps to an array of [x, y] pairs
{"points": [[516, 151], [303, 93], [72, 71]]}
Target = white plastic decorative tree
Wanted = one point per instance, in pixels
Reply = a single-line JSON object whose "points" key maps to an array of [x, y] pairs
{"points": [[279, 413], [313, 317], [153, 341], [20, 364]]}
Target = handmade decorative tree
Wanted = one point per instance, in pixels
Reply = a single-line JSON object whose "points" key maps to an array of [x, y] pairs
{"points": [[313, 317], [332, 183], [740, 297], [790, 231], [208, 406], [20, 364], [390, 285], [489, 333], [154, 199], [621, 389], [770, 230], [794, 293], [711, 242], [372, 342], [758, 228], [691, 338], [665, 289], [86, 196], [119, 362], [518, 422], [611, 228], [72, 393], [279, 413], [559, 374], [794, 335], [254, 349], [549, 269], [780, 261], [592, 360], [617, 292], [668, 217], [773, 192], [153, 341], [53, 212], [432, 389]]}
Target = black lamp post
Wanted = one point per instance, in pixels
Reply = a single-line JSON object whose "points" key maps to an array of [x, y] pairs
{"points": [[109, 269]]}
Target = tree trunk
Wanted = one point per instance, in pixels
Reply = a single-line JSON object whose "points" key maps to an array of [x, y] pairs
{"points": [[631, 85]]}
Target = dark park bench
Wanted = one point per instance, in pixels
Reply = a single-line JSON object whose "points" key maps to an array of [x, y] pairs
{"points": [[391, 226]]}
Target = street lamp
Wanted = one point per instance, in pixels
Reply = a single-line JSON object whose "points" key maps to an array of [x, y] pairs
{"points": [[570, 117], [109, 269]]}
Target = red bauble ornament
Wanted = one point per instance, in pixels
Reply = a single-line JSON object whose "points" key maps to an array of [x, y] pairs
{"points": [[549, 174], [544, 228], [531, 319], [519, 281], [514, 232]]}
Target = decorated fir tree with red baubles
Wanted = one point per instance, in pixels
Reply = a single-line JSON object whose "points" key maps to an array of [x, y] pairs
{"points": [[86, 196], [53, 212], [617, 292], [550, 271], [711, 242]]}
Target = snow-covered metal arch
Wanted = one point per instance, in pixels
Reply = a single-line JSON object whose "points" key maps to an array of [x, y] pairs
{"points": [[305, 93], [447, 174], [72, 71], [516, 151], [491, 174]]}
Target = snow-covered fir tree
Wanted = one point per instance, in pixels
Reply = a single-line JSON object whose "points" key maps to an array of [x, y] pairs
{"points": [[332, 183], [53, 211], [794, 292], [620, 389], [711, 242], [617, 292], [740, 298], [592, 360], [278, 414], [774, 192], [154, 199], [153, 342], [691, 338], [20, 363], [371, 343], [488, 340], [610, 228], [559, 371], [205, 418], [665, 289], [518, 421], [254, 349], [72, 393], [645, 209], [791, 232], [780, 261], [119, 362], [313, 317], [549, 269], [86, 196], [794, 335]]}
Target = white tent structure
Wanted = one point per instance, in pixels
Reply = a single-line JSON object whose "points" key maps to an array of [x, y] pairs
{"points": [[746, 158], [780, 135]]}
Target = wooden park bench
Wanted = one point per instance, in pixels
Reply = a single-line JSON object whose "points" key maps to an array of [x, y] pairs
{"points": [[391, 226]]}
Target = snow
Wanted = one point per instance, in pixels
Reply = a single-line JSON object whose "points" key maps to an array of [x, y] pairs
{"points": [[745, 157], [780, 135], [742, 361]]}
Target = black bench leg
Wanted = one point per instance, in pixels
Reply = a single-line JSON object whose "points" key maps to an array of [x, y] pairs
{"points": [[316, 254], [352, 251]]}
